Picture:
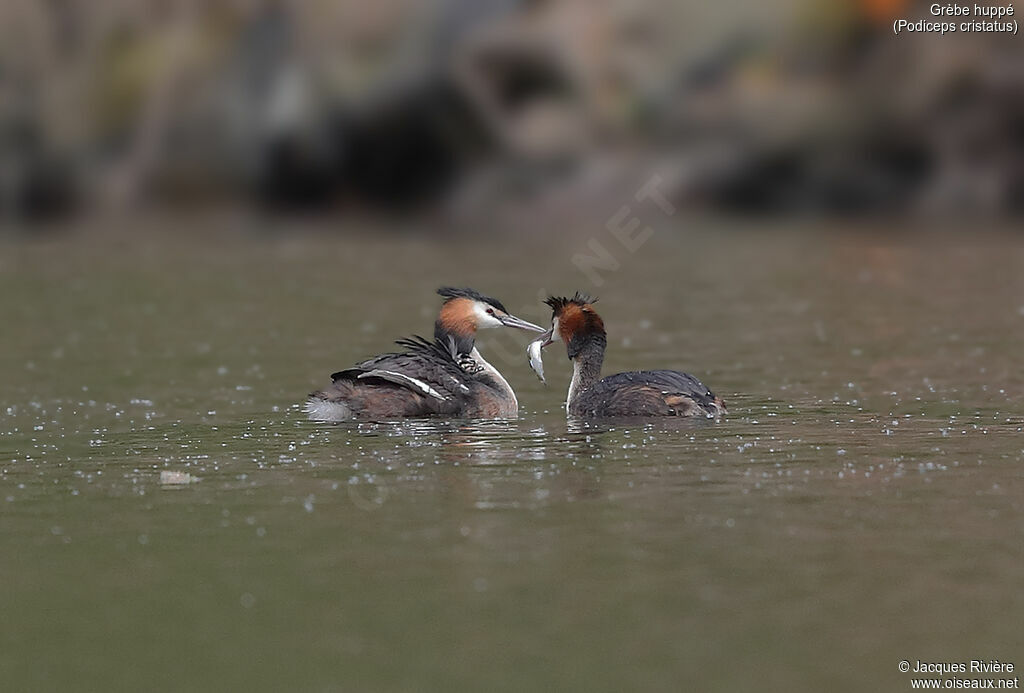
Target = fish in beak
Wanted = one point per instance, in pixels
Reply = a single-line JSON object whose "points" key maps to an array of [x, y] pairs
{"points": [[533, 352], [536, 363]]}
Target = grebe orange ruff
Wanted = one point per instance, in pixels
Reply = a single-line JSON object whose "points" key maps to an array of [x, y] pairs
{"points": [[446, 377], [637, 393]]}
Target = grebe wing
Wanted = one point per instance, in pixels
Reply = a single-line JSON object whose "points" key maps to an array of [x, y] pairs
{"points": [[652, 393], [428, 368]]}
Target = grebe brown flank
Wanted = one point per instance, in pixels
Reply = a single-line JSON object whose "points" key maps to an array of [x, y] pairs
{"points": [[637, 393], [446, 377]]}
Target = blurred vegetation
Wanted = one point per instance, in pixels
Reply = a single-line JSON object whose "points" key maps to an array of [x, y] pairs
{"points": [[468, 106]]}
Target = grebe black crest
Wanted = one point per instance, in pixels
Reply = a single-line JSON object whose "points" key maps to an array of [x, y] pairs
{"points": [[445, 377], [637, 393]]}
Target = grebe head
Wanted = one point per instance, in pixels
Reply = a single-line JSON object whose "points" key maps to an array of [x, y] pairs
{"points": [[465, 311], [575, 322]]}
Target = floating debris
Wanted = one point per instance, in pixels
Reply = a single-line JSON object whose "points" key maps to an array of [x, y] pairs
{"points": [[172, 478]]}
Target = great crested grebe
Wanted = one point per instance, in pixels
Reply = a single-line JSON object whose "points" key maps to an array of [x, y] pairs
{"points": [[637, 393], [446, 377]]}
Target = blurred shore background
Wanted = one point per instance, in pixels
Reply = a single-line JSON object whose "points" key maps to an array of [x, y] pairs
{"points": [[504, 113]]}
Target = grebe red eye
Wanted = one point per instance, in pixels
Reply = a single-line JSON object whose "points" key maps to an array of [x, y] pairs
{"points": [[490, 311]]}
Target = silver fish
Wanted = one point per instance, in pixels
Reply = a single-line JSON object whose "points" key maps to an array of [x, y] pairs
{"points": [[533, 351]]}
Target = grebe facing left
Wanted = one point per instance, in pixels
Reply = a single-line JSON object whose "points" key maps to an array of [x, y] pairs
{"points": [[446, 377], [637, 393]]}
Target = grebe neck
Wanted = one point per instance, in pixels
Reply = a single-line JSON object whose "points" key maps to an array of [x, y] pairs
{"points": [[586, 368], [496, 375], [464, 342]]}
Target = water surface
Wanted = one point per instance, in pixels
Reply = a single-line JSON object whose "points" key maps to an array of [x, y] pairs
{"points": [[170, 521]]}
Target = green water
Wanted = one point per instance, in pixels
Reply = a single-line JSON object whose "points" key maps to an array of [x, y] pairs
{"points": [[861, 504]]}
